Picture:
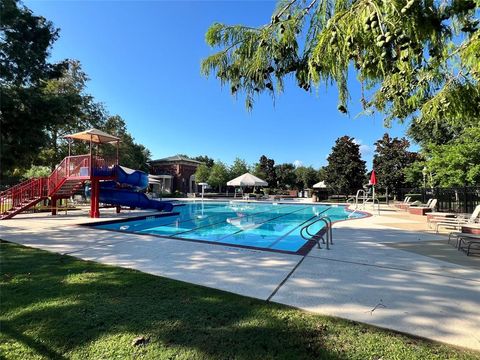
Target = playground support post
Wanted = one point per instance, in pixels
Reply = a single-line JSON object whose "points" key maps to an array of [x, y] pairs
{"points": [[53, 205], [95, 199]]}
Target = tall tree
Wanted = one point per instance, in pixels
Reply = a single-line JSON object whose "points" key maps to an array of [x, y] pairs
{"points": [[286, 175], [257, 171], [70, 111], [390, 159], [346, 170], [322, 174], [239, 167], [218, 175], [205, 159], [25, 42], [306, 177], [414, 173], [267, 167], [202, 173], [414, 58], [131, 154], [456, 163]]}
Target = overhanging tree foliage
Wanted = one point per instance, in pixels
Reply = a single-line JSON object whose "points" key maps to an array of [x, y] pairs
{"points": [[409, 55], [345, 171]]}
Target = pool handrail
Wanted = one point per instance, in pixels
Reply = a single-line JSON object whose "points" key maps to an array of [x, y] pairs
{"points": [[317, 237]]}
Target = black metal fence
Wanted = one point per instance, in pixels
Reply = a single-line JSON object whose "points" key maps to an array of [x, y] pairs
{"points": [[459, 199]]}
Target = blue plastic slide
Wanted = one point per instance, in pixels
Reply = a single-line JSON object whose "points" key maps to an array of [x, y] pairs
{"points": [[125, 191], [131, 198], [135, 178]]}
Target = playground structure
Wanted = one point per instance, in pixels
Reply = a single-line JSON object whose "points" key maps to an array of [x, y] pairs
{"points": [[110, 183]]}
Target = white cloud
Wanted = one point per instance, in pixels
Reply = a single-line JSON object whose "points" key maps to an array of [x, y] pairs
{"points": [[365, 150], [297, 163]]}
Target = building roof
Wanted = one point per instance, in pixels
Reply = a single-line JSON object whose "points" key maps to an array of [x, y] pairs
{"points": [[175, 158]]}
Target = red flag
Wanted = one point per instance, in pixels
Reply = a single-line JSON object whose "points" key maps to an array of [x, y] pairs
{"points": [[373, 178]]}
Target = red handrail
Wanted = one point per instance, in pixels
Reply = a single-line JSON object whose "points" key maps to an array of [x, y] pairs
{"points": [[15, 187], [23, 193]]}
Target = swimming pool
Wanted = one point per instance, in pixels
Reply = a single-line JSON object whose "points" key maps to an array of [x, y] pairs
{"points": [[266, 226]]}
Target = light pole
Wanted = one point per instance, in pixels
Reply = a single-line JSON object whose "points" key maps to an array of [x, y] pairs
{"points": [[424, 173]]}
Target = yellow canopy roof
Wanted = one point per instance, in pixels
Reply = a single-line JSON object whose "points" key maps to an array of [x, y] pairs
{"points": [[94, 135]]}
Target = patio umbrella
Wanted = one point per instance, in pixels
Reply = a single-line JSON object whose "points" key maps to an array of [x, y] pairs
{"points": [[320, 185], [373, 182], [247, 179]]}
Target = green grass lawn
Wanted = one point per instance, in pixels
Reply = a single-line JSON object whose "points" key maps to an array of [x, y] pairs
{"points": [[58, 307]]}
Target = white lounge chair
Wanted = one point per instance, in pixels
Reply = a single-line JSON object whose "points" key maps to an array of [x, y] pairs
{"points": [[457, 222], [404, 204], [422, 210], [419, 204], [405, 201]]}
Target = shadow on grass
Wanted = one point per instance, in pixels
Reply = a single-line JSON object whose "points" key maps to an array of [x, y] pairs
{"points": [[67, 306], [29, 342]]}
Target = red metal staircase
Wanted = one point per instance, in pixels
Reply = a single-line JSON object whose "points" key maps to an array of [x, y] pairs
{"points": [[63, 182], [22, 196]]}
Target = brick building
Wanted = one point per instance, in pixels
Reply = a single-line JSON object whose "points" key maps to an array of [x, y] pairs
{"points": [[174, 173]]}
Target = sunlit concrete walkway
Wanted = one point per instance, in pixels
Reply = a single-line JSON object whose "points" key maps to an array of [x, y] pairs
{"points": [[385, 270]]}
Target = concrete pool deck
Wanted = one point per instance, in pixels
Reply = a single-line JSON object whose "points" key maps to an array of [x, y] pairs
{"points": [[385, 270]]}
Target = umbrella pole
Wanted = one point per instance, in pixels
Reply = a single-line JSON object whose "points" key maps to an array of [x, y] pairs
{"points": [[373, 195]]}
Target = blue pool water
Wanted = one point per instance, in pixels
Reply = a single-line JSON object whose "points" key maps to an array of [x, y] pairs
{"points": [[260, 225]]}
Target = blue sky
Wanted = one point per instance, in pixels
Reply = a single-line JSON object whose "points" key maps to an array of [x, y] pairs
{"points": [[143, 59]]}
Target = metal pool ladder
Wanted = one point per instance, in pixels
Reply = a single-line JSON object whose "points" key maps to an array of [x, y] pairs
{"points": [[326, 236]]}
